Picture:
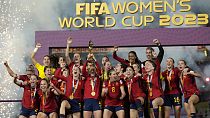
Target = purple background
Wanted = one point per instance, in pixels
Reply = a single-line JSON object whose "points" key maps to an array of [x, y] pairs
{"points": [[124, 37]]}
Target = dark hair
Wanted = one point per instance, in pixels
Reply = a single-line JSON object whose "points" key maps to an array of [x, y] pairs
{"points": [[183, 61], [137, 59], [106, 57], [110, 71], [123, 66], [150, 48], [171, 59], [106, 62], [46, 67], [130, 67], [65, 69], [45, 79], [46, 56]]}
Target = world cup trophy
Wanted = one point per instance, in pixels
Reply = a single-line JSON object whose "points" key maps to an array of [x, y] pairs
{"points": [[90, 46]]}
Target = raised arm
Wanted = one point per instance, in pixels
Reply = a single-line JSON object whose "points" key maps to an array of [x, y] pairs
{"points": [[9, 70], [34, 61], [161, 50], [193, 73], [69, 42], [55, 90], [119, 58], [59, 76], [19, 83]]}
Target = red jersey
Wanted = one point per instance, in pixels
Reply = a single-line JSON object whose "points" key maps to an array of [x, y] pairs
{"points": [[134, 89], [47, 103], [114, 93], [153, 83], [23, 78], [189, 86], [92, 85], [172, 81], [86, 74], [121, 60], [30, 96], [71, 65], [73, 87]]}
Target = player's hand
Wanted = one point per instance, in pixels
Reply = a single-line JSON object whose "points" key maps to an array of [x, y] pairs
{"points": [[69, 40], [90, 56], [38, 45], [115, 48], [156, 41], [5, 63], [25, 83]]}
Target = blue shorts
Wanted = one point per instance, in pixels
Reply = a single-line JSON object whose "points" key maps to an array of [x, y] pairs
{"points": [[92, 105], [133, 106], [75, 105], [150, 102], [27, 112], [187, 99], [114, 108], [47, 113], [173, 100]]}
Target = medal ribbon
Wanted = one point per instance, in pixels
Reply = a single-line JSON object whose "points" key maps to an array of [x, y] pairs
{"points": [[44, 97], [33, 93], [93, 81], [169, 78], [129, 87], [74, 87], [149, 83]]}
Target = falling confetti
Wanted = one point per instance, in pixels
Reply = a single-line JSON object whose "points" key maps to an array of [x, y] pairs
{"points": [[13, 17]]}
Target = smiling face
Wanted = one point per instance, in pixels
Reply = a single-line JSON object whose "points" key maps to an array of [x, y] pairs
{"points": [[113, 75], [149, 54], [89, 65], [108, 65], [48, 72], [76, 71], [131, 57], [129, 72], [33, 81], [92, 71], [65, 72], [46, 61], [77, 58], [181, 65], [169, 63], [118, 68], [148, 66], [61, 61], [44, 85], [104, 59]]}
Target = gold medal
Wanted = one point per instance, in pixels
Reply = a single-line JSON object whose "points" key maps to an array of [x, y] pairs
{"points": [[150, 92], [93, 93], [71, 96]]}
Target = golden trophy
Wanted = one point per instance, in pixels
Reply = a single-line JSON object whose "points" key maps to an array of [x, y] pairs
{"points": [[90, 50], [90, 46]]}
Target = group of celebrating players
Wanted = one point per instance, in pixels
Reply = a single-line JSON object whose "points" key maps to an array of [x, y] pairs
{"points": [[131, 88]]}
